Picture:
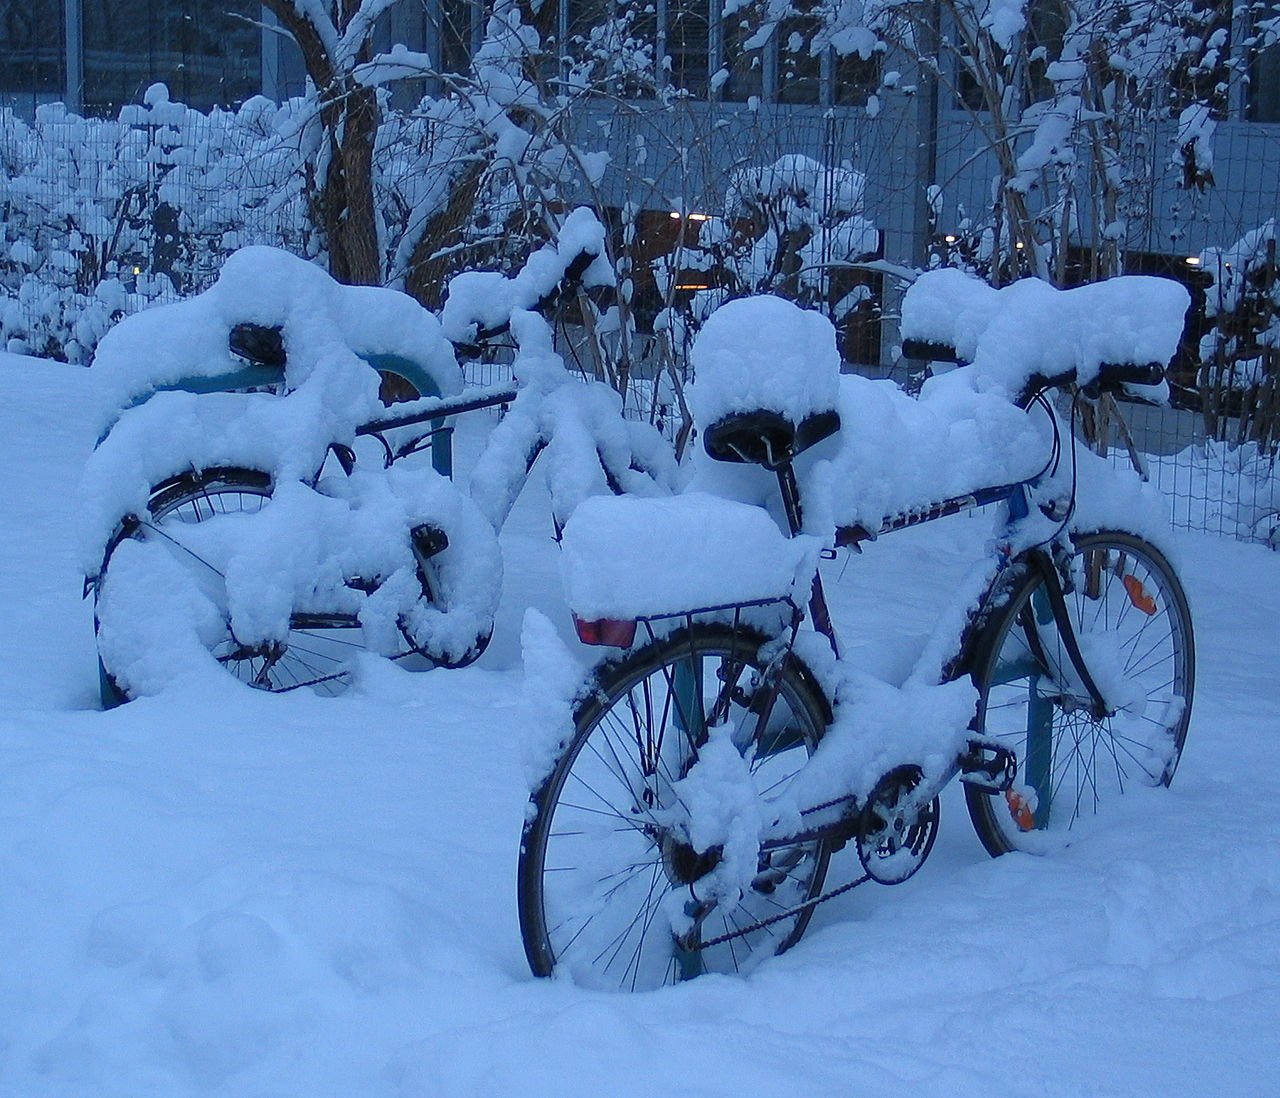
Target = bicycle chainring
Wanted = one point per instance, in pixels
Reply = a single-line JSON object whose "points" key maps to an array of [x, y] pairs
{"points": [[896, 828]]}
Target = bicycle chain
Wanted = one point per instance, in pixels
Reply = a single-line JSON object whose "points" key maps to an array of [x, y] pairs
{"points": [[791, 913], [818, 832], [801, 836]]}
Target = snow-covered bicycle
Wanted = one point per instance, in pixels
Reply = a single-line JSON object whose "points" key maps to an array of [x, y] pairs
{"points": [[692, 794], [229, 515]]}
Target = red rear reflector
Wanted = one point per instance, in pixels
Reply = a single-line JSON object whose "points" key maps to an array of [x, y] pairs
{"points": [[606, 631]]}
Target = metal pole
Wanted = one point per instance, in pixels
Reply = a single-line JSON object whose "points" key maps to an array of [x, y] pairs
{"points": [[73, 39]]}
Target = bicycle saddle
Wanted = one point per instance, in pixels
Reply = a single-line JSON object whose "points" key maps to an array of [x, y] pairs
{"points": [[767, 438], [258, 344]]}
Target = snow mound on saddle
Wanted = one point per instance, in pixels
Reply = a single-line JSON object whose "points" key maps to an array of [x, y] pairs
{"points": [[626, 557], [1028, 328], [324, 324], [764, 353], [330, 388]]}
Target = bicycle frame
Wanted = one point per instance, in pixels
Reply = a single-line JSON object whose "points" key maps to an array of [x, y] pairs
{"points": [[983, 763]]}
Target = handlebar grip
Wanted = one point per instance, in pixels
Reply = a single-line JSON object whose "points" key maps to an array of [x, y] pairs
{"points": [[927, 349], [578, 267], [1115, 375], [573, 273]]}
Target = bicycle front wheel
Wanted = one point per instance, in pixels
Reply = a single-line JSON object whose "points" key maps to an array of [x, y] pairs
{"points": [[1130, 616], [601, 869]]}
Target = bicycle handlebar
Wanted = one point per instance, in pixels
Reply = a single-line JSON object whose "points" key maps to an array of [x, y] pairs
{"points": [[420, 411], [1111, 377], [264, 345], [572, 279]]}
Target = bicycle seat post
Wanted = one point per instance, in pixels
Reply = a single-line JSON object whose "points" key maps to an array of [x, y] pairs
{"points": [[790, 490]]}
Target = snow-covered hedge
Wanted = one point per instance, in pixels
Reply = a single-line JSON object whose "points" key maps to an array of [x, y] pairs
{"points": [[100, 217]]}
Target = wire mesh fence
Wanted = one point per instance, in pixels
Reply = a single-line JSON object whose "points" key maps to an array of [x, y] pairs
{"points": [[104, 217]]}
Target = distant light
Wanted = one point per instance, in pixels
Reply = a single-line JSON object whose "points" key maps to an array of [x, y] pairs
{"points": [[1193, 261], [950, 238], [1019, 245], [699, 217], [693, 286], [137, 270], [675, 215]]}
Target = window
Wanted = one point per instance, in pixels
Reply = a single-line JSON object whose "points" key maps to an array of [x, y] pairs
{"points": [[799, 68], [745, 67], [205, 54], [786, 69], [688, 44], [456, 35], [32, 60], [1202, 73], [854, 79], [1047, 22], [1264, 87]]}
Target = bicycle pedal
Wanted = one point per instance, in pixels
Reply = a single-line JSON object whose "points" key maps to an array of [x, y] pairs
{"points": [[428, 540], [988, 766]]}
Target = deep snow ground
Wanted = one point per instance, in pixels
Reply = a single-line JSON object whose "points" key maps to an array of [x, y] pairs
{"points": [[254, 896]]}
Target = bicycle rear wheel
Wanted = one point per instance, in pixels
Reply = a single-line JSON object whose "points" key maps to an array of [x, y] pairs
{"points": [[601, 867], [318, 650], [1130, 616]]}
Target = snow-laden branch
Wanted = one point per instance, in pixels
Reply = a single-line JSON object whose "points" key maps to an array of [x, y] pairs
{"points": [[400, 64], [356, 34]]}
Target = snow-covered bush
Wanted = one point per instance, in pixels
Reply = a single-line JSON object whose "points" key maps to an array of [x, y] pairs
{"points": [[787, 225], [148, 205], [1240, 353], [1062, 98]]}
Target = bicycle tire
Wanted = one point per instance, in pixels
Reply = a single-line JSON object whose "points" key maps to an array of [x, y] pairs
{"points": [[1130, 613], [591, 892], [316, 652]]}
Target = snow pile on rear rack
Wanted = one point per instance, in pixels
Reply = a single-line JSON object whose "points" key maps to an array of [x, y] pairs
{"points": [[625, 557], [1029, 329]]}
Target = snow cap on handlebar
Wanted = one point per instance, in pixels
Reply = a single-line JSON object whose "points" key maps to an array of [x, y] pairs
{"points": [[1029, 330], [481, 302]]}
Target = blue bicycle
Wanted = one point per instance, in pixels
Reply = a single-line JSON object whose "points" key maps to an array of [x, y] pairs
{"points": [[687, 823]]}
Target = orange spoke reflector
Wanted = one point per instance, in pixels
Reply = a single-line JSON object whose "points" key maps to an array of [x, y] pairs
{"points": [[1138, 595], [1020, 810]]}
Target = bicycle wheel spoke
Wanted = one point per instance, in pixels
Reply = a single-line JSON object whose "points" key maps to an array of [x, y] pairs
{"points": [[591, 902], [1134, 630]]}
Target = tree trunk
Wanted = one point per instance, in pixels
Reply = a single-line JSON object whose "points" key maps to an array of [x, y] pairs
{"points": [[349, 217], [343, 206], [428, 268]]}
